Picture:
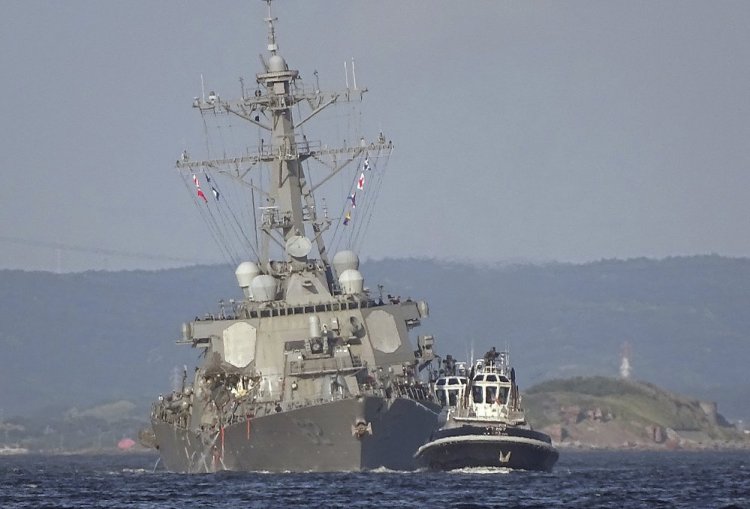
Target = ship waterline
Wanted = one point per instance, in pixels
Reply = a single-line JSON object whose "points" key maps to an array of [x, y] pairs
{"points": [[320, 438]]}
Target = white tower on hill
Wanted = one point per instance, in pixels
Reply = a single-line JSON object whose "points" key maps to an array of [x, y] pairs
{"points": [[625, 363]]}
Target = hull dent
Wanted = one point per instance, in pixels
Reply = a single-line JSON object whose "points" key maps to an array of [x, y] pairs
{"points": [[319, 438]]}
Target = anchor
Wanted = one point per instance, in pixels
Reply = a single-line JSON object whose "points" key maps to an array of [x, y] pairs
{"points": [[361, 428]]}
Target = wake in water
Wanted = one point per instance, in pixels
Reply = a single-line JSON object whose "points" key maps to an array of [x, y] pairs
{"points": [[482, 470]]}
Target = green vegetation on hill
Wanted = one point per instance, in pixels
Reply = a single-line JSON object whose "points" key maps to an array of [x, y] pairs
{"points": [[89, 338], [632, 405]]}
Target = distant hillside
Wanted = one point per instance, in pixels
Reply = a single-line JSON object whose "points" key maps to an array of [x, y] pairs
{"points": [[614, 413], [89, 338], [686, 319], [95, 337]]}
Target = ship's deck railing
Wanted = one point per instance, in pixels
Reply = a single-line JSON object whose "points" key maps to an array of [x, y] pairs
{"points": [[416, 391], [310, 308], [325, 366], [281, 310]]}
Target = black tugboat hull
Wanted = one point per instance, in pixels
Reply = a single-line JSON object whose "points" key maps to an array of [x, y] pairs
{"points": [[317, 438], [471, 451]]}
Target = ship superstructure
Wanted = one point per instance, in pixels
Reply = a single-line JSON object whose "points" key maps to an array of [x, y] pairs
{"points": [[309, 371]]}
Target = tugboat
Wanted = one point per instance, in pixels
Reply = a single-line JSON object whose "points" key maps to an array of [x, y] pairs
{"points": [[308, 370], [483, 424]]}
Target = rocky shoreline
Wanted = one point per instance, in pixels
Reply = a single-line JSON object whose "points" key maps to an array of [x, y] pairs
{"points": [[599, 413]]}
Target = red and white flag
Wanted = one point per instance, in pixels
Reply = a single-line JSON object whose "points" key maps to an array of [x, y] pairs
{"points": [[198, 188], [361, 181]]}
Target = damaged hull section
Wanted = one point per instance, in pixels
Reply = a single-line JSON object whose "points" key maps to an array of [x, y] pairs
{"points": [[344, 435]]}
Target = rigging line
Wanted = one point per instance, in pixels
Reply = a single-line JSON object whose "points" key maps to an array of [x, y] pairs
{"points": [[339, 225], [221, 140], [213, 227], [369, 198], [209, 219], [240, 232], [190, 188], [206, 135], [232, 139], [219, 236], [356, 214], [242, 217], [231, 227], [363, 215], [236, 224], [372, 205], [365, 198]]}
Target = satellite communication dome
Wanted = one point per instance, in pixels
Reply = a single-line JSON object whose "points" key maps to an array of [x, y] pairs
{"points": [[263, 288], [276, 63], [351, 281], [345, 260], [246, 272], [298, 246]]}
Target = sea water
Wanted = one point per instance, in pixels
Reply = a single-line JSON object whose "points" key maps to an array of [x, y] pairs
{"points": [[580, 479]]}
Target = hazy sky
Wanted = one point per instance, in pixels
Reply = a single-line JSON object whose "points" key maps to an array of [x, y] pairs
{"points": [[531, 130]]}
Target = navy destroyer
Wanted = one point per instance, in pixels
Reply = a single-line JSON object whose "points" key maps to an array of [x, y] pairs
{"points": [[308, 370], [483, 424]]}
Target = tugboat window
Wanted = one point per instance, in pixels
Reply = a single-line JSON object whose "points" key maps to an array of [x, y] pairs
{"points": [[476, 393], [441, 397], [503, 397], [491, 392], [452, 397]]}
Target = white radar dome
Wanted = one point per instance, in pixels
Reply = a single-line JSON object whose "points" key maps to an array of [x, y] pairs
{"points": [[263, 288], [345, 260], [276, 64], [351, 281], [246, 272]]}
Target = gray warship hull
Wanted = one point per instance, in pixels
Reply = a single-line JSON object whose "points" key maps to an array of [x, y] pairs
{"points": [[316, 438], [309, 370]]}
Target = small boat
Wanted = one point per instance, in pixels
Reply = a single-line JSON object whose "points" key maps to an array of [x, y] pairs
{"points": [[483, 424]]}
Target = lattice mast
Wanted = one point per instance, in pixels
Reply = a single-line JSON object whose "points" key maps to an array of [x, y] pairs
{"points": [[290, 205]]}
